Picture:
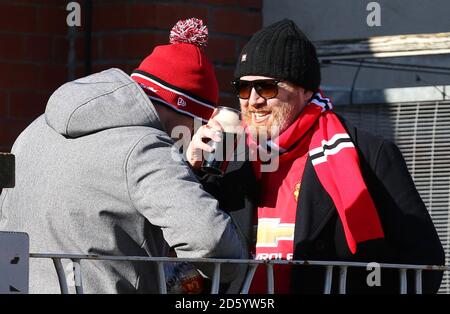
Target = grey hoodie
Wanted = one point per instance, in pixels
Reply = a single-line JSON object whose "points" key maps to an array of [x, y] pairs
{"points": [[96, 174]]}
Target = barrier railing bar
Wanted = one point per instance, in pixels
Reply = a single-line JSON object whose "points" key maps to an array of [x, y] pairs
{"points": [[248, 279], [78, 277], [216, 279], [403, 282], [418, 281], [161, 278], [253, 264], [343, 279], [270, 280], [236, 261], [61, 276], [328, 280]]}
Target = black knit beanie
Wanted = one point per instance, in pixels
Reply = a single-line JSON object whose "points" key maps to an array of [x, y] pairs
{"points": [[283, 52]]}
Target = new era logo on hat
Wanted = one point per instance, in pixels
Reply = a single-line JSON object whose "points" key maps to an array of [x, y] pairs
{"points": [[181, 102]]}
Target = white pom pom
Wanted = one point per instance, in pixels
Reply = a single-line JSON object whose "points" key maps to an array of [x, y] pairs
{"points": [[191, 31]]}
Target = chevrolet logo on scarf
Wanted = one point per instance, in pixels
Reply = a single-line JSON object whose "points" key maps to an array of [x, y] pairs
{"points": [[270, 231]]}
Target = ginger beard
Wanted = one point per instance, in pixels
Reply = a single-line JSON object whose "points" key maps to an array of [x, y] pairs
{"points": [[270, 117]]}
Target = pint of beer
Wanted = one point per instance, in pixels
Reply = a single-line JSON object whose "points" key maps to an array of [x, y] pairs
{"points": [[215, 163]]}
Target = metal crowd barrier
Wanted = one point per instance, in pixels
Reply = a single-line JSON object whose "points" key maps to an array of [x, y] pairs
{"points": [[253, 264]]}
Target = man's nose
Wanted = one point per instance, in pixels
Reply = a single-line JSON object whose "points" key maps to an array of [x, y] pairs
{"points": [[255, 100]]}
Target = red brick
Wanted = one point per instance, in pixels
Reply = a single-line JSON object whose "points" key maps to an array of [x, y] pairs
{"points": [[52, 76], [27, 105], [224, 76], [60, 49], [101, 67], [79, 48], [222, 49], [17, 18], [168, 15], [111, 46], [243, 23], [38, 48], [126, 67], [3, 105], [95, 52], [23, 76], [9, 131], [218, 2], [12, 47], [52, 20], [141, 45], [80, 72], [241, 44], [109, 17], [254, 4], [164, 16], [42, 2], [142, 15]]}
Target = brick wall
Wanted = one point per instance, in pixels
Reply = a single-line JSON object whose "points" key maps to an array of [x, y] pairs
{"points": [[33, 57], [34, 46]]}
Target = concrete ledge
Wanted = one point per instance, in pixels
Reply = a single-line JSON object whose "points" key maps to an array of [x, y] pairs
{"points": [[341, 96]]}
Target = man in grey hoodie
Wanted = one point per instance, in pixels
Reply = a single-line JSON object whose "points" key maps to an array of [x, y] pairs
{"points": [[96, 174]]}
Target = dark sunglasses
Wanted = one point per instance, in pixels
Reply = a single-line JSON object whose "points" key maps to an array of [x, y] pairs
{"points": [[267, 88]]}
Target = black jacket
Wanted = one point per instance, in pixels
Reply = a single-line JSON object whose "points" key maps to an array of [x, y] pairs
{"points": [[410, 236]]}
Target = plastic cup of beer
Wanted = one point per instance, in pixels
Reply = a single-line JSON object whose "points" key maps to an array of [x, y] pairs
{"points": [[216, 162]]}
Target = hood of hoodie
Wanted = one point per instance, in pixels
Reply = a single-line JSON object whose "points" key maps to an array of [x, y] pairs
{"points": [[105, 100]]}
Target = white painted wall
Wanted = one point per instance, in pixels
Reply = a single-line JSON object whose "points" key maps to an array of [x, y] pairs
{"points": [[344, 19]]}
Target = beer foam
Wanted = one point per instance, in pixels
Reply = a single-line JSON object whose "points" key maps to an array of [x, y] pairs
{"points": [[229, 119]]}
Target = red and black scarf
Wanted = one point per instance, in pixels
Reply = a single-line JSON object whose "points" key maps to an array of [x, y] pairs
{"points": [[336, 163]]}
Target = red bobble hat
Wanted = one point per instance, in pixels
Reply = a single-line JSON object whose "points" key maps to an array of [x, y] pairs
{"points": [[180, 75]]}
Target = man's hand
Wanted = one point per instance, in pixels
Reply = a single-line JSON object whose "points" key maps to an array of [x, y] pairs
{"points": [[197, 146]]}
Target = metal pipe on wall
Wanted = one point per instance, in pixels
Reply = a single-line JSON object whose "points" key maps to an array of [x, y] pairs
{"points": [[88, 37]]}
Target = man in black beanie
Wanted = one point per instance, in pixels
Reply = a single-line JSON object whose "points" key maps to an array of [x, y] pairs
{"points": [[337, 193]]}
